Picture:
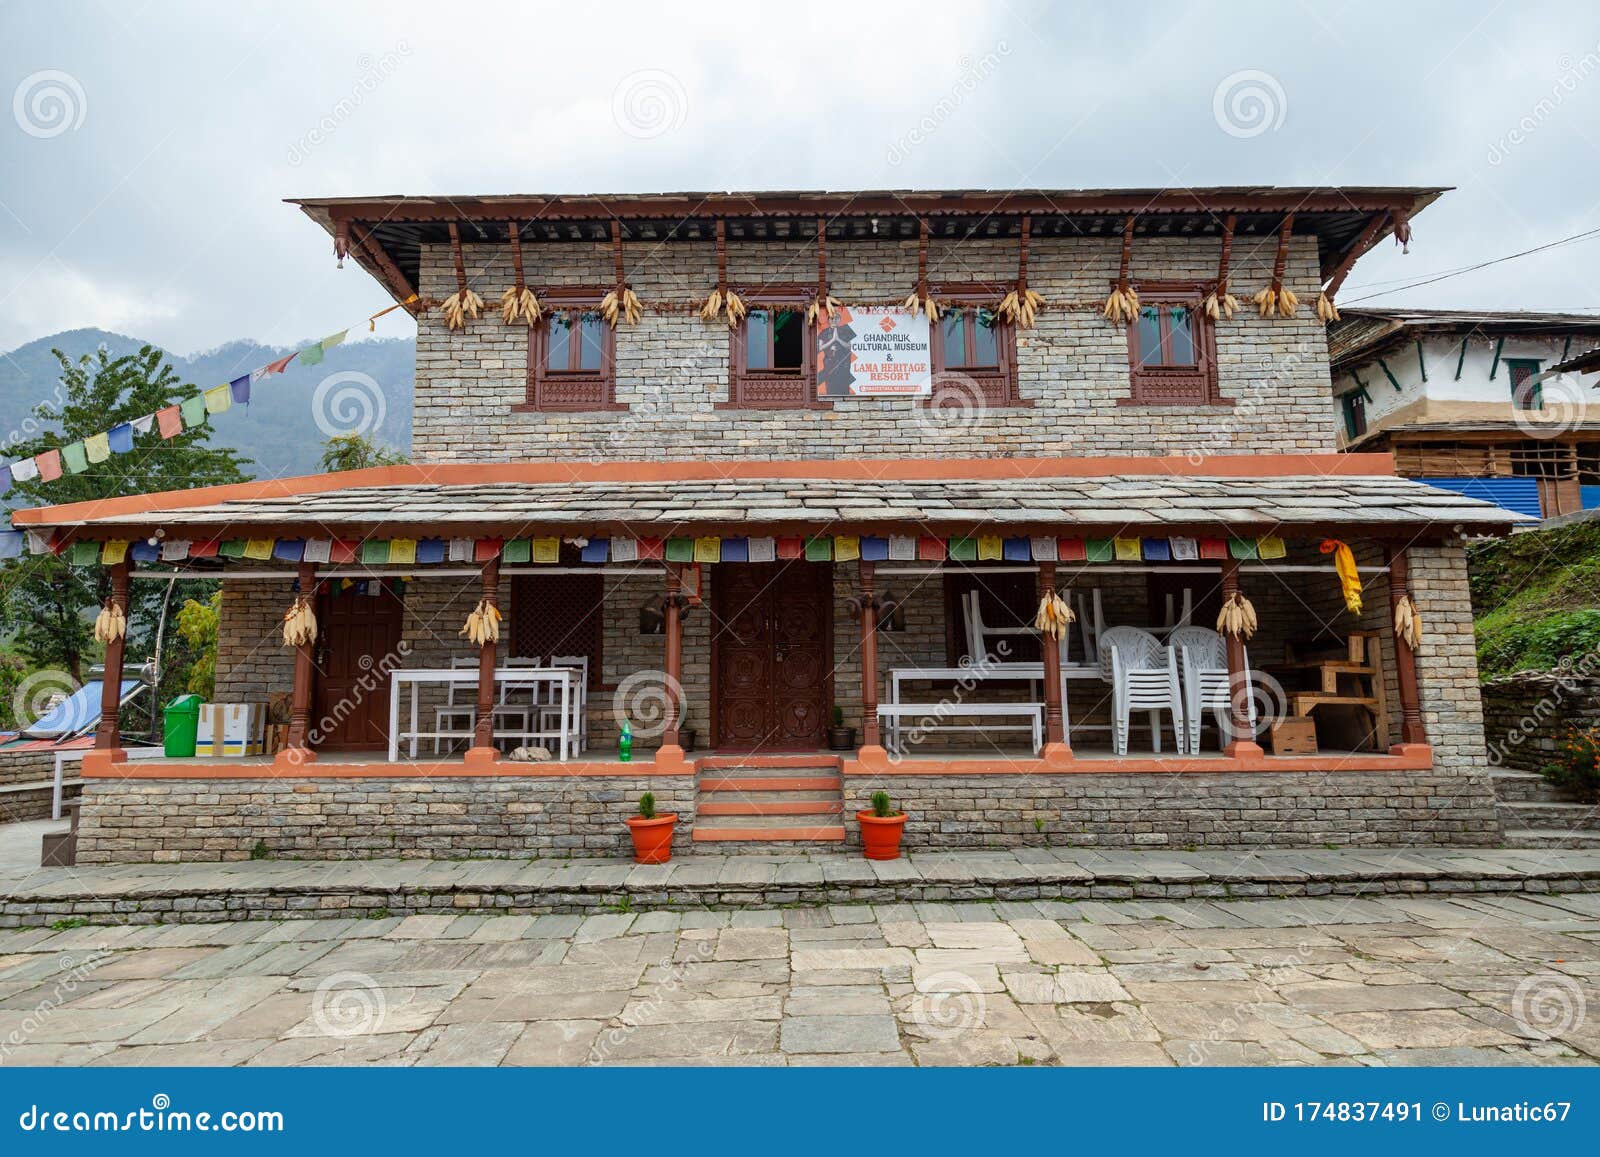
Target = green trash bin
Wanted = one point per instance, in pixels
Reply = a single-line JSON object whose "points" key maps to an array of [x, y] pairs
{"points": [[182, 722]]}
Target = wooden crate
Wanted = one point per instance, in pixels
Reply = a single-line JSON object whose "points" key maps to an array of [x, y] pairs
{"points": [[1296, 735], [277, 736]]}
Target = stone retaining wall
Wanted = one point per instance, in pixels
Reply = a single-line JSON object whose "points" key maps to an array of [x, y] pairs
{"points": [[1254, 809], [1526, 716], [172, 820]]}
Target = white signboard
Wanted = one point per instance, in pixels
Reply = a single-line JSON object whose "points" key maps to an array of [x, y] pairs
{"points": [[874, 350]]}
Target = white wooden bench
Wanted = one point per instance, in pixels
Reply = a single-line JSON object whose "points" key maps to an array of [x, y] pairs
{"points": [[928, 717]]}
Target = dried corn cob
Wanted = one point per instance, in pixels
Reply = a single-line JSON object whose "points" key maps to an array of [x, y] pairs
{"points": [[110, 623]]}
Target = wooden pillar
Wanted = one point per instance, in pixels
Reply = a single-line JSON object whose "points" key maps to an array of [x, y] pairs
{"points": [[108, 734], [1055, 736], [296, 745], [1241, 741], [672, 662], [869, 655], [1405, 660], [483, 726]]}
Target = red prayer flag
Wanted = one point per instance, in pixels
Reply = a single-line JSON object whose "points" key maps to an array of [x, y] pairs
{"points": [[486, 549], [791, 547], [49, 464], [206, 549], [1071, 550], [652, 548], [342, 550], [930, 549], [169, 421], [1213, 548]]}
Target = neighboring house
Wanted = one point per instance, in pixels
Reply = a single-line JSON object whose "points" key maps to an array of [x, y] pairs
{"points": [[761, 525], [1474, 401]]}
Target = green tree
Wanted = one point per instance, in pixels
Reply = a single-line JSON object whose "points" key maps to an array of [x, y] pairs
{"points": [[197, 626], [357, 452], [46, 604]]}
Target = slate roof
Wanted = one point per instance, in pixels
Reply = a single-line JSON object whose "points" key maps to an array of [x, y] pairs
{"points": [[797, 504]]}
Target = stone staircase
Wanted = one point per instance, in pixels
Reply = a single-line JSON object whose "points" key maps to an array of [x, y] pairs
{"points": [[1536, 814], [760, 802]]}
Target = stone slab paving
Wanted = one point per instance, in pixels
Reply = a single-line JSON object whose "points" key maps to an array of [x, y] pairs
{"points": [[1475, 979]]}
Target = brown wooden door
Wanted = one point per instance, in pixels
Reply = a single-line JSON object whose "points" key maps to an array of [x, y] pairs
{"points": [[357, 640], [771, 628]]}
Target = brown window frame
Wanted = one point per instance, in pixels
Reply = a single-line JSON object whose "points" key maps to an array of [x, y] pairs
{"points": [[773, 389], [1000, 384], [1194, 385], [570, 391]]}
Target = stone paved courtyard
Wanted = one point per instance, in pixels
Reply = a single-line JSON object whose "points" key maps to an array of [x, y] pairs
{"points": [[1511, 979]]}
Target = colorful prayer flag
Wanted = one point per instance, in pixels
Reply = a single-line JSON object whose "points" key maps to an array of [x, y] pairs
{"points": [[902, 547], [516, 550], [430, 550], [680, 550], [708, 548], [169, 421], [963, 550], [113, 551], [142, 425], [1017, 550], [218, 399], [75, 458], [375, 552], [1213, 548], [240, 388], [258, 549], [311, 355], [874, 548], [990, 547], [846, 548], [791, 547], [10, 543], [343, 551], [819, 549], [145, 551], [317, 550], [460, 550], [174, 549], [1098, 550], [1125, 549], [1185, 549], [193, 411], [333, 339], [1071, 550], [1242, 548], [24, 470], [1157, 550], [120, 438], [652, 548], [207, 548], [48, 465], [5, 479], [83, 553], [402, 551], [1271, 546], [736, 550], [624, 548], [547, 549], [270, 368], [930, 549], [763, 549], [485, 549], [39, 541], [289, 549], [97, 447], [1043, 548], [595, 550]]}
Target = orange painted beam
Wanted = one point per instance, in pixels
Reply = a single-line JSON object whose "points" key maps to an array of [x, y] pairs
{"points": [[331, 769], [1410, 758], [854, 469]]}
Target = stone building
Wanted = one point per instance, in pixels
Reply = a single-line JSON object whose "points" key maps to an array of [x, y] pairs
{"points": [[812, 533]]}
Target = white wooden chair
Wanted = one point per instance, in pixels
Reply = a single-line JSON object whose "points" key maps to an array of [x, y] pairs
{"points": [[515, 704], [459, 715], [979, 632], [1203, 665], [578, 705], [1144, 677]]}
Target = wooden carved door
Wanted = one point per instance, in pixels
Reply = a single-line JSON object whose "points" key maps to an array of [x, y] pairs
{"points": [[357, 639], [772, 623]]}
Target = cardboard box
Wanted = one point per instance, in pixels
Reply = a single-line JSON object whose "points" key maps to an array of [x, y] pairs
{"points": [[231, 729], [1296, 735]]}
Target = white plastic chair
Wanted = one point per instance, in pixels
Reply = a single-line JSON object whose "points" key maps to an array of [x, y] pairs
{"points": [[1091, 627], [515, 704], [1174, 622], [1144, 677], [578, 705], [454, 711], [1206, 687], [978, 631]]}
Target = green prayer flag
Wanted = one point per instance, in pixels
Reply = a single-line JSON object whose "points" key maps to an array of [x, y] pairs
{"points": [[84, 553], [193, 411], [311, 355], [819, 549], [375, 551], [74, 458], [231, 548], [1098, 550], [517, 550], [1243, 548], [963, 550], [680, 550]]}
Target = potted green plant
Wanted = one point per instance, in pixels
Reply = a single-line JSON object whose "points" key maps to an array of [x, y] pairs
{"points": [[652, 833], [840, 737], [881, 828]]}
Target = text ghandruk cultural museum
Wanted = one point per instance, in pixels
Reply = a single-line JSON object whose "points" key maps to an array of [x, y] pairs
{"points": [[792, 472]]}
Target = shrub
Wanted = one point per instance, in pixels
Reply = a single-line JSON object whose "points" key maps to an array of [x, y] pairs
{"points": [[882, 805], [1576, 766], [647, 806]]}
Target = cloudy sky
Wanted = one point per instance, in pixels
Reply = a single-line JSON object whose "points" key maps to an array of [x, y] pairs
{"points": [[150, 144]]}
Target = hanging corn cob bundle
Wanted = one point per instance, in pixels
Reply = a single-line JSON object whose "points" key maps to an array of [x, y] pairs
{"points": [[1266, 301], [1219, 303], [1344, 563], [483, 624], [921, 299], [1326, 310], [1288, 302], [1407, 621], [1122, 306], [1237, 617], [1054, 616], [110, 623], [299, 623], [621, 303], [1021, 306], [712, 306], [519, 301], [463, 303], [821, 310]]}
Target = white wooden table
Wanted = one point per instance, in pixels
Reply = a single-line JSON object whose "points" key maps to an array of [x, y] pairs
{"points": [[560, 679], [996, 673]]}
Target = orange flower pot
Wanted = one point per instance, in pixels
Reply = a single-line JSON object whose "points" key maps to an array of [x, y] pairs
{"points": [[652, 839], [880, 835]]}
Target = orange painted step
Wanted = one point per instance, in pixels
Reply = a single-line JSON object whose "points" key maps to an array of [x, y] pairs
{"points": [[831, 833], [801, 759], [794, 807], [775, 783]]}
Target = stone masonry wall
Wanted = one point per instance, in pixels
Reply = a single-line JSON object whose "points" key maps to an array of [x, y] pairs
{"points": [[672, 368], [1527, 715], [1262, 809], [190, 820]]}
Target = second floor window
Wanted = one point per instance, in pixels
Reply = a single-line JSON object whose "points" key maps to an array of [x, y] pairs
{"points": [[969, 340], [1526, 393], [571, 355], [770, 355], [1355, 412], [1171, 348]]}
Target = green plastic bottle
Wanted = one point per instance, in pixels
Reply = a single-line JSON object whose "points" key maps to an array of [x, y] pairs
{"points": [[625, 743]]}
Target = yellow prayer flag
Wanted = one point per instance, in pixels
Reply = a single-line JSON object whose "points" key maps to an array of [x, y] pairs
{"points": [[402, 550], [546, 550], [218, 399], [114, 551], [1271, 546], [990, 547], [97, 447], [708, 549], [1126, 549], [846, 547], [259, 549]]}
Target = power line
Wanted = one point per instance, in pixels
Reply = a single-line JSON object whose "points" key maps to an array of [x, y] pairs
{"points": [[1430, 280]]}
